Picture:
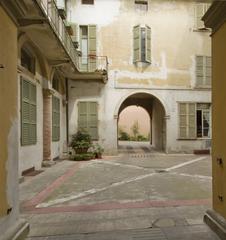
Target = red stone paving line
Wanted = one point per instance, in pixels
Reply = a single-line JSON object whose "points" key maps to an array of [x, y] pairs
{"points": [[115, 206], [40, 197]]}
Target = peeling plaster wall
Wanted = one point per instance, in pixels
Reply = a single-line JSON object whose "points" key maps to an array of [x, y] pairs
{"points": [[170, 76], [8, 123]]}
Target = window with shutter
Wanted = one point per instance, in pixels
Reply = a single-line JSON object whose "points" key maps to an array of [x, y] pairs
{"points": [[200, 10], [203, 71], [142, 44], [88, 48], [92, 48], [55, 119], [187, 120], [28, 113], [194, 120], [88, 118]]}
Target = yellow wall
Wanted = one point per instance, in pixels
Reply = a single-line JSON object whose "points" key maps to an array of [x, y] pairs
{"points": [[167, 20], [8, 97], [219, 119]]}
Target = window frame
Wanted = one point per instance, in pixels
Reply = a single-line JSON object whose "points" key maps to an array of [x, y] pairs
{"points": [[139, 42], [204, 75], [30, 122], [180, 137]]}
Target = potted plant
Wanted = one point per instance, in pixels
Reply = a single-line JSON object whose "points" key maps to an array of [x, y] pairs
{"points": [[81, 142], [97, 150]]}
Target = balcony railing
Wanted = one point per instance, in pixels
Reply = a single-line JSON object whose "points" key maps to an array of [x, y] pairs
{"points": [[50, 9], [93, 63]]}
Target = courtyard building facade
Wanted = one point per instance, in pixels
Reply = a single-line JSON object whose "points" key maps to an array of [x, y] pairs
{"points": [[76, 65]]}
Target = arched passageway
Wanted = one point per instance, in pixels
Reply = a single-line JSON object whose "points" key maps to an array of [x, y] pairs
{"points": [[156, 112]]}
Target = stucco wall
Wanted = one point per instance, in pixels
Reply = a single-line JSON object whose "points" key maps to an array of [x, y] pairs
{"points": [[170, 77], [219, 119], [8, 123]]}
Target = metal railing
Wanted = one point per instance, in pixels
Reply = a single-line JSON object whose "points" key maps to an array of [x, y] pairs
{"points": [[93, 63], [57, 23]]}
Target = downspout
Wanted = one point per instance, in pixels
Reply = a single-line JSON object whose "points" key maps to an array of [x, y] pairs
{"points": [[67, 123]]}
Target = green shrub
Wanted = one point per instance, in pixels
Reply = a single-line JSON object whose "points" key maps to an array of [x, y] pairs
{"points": [[81, 142]]}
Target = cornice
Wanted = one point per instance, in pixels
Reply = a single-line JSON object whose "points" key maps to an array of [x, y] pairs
{"points": [[215, 17]]}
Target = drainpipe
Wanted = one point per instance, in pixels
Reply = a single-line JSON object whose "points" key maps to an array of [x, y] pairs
{"points": [[67, 123]]}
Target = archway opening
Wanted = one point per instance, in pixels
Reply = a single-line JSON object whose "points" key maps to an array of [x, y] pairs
{"points": [[141, 118], [134, 125]]}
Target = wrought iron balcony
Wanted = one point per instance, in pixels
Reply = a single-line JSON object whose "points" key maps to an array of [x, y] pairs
{"points": [[50, 9]]}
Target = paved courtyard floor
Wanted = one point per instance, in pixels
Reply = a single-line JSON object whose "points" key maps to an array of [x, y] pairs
{"points": [[139, 194]]}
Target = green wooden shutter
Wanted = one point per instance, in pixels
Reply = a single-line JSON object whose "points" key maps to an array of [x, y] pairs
{"points": [[82, 116], [93, 120], [55, 119], [148, 44], [191, 120], [92, 48], [33, 117], [182, 120], [28, 113], [136, 44], [208, 70], [200, 70]]}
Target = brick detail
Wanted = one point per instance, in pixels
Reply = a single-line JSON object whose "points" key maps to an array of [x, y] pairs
{"points": [[47, 123]]}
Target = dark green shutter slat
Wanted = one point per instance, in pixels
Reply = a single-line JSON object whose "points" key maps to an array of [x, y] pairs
{"points": [[148, 44], [55, 118], [92, 63], [136, 44], [28, 113]]}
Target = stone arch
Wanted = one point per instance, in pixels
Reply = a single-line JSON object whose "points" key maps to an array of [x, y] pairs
{"points": [[156, 109]]}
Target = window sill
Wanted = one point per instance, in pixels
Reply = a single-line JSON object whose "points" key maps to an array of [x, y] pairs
{"points": [[193, 139]]}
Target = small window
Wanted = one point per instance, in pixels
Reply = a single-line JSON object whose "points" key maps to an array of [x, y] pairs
{"points": [[142, 44], [27, 60], [141, 5], [88, 2]]}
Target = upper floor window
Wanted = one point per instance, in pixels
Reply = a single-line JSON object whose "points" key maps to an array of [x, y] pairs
{"points": [[200, 10], [142, 44], [203, 71], [89, 2], [141, 5], [27, 60], [88, 47]]}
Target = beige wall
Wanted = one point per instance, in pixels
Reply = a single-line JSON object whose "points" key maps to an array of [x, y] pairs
{"points": [[8, 100], [219, 119]]}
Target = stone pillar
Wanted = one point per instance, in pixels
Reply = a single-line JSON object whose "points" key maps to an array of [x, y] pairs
{"points": [[47, 127]]}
